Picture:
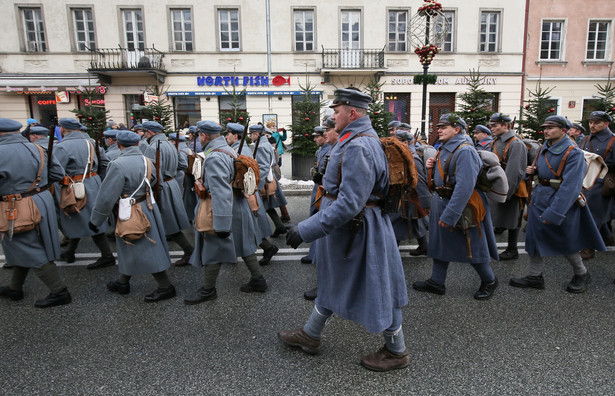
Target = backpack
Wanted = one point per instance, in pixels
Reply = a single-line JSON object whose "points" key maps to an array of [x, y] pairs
{"points": [[242, 166]]}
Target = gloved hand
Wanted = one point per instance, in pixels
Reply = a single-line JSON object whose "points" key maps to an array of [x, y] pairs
{"points": [[93, 227], [317, 178], [293, 238], [223, 234]]}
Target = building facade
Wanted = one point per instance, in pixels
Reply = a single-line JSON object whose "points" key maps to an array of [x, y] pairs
{"points": [[569, 50], [197, 51]]}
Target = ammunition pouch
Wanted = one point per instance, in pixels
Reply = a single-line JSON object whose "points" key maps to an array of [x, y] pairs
{"points": [[444, 191]]}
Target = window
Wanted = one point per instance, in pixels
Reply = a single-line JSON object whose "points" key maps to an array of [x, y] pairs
{"points": [[84, 29], [397, 28], [133, 29], [187, 109], [551, 40], [489, 31], [34, 29], [229, 30], [449, 44], [597, 39], [399, 105], [181, 20], [304, 30]]}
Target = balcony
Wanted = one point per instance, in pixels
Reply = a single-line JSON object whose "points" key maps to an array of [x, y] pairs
{"points": [[123, 62], [352, 61]]}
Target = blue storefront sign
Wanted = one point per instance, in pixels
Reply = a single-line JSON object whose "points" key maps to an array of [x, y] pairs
{"points": [[249, 93]]}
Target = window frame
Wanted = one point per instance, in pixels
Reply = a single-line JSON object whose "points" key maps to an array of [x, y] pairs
{"points": [[21, 8], [562, 40], [219, 11], [172, 41], [498, 37], [293, 29], [74, 39], [396, 42], [452, 31], [608, 41], [123, 31]]}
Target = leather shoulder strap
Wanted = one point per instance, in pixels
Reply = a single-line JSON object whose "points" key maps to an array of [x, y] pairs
{"points": [[608, 147], [40, 168]]}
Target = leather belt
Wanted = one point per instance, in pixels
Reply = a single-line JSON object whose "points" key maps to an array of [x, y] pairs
{"points": [[27, 193], [81, 177], [544, 182], [368, 204], [166, 179]]}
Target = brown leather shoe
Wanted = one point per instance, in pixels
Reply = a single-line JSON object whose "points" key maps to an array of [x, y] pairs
{"points": [[587, 254], [383, 360], [299, 339], [184, 260]]}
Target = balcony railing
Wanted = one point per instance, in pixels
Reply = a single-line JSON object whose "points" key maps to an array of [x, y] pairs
{"points": [[353, 58], [119, 59]]}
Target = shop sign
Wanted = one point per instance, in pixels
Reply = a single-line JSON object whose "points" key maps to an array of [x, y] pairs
{"points": [[62, 97], [95, 102], [46, 102], [248, 93], [442, 81]]}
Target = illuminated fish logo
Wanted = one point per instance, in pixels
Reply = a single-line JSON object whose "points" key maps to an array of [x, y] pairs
{"points": [[279, 80]]}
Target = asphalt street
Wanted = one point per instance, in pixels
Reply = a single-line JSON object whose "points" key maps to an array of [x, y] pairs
{"points": [[527, 342]]}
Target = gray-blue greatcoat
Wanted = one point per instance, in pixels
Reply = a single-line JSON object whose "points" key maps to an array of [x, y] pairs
{"points": [[43, 142], [508, 214], [572, 227], [321, 154], [170, 201], [484, 144], [262, 221], [265, 158], [72, 154], [599, 205], [188, 195], [218, 170], [143, 144], [366, 285], [146, 255], [113, 151], [19, 164], [463, 172]]}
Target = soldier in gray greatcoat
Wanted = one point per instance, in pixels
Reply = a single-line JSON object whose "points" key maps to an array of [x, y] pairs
{"points": [[601, 141], [265, 158], [126, 177], [110, 141], [191, 147], [76, 155], [233, 221], [20, 170], [143, 145], [169, 200], [453, 234], [360, 275], [39, 135], [482, 136], [233, 138], [512, 153], [183, 152], [104, 160]]}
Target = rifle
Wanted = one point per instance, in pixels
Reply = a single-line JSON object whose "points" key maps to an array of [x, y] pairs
{"points": [[98, 137], [157, 185], [177, 142], [512, 124], [27, 133], [50, 154]]}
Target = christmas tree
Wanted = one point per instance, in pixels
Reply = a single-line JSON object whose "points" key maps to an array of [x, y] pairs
{"points": [[235, 114], [536, 110], [305, 119], [93, 115], [606, 97], [159, 110], [379, 117], [476, 105]]}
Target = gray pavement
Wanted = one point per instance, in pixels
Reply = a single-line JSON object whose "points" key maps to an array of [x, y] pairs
{"points": [[520, 342]]}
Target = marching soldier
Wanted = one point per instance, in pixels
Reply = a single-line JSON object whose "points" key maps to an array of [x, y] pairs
{"points": [[512, 153], [577, 133], [169, 197], [600, 141], [25, 171], [351, 232], [39, 135], [76, 155], [559, 221], [143, 145], [127, 176], [482, 136], [393, 125], [235, 232], [110, 141], [183, 153], [233, 138], [460, 227]]}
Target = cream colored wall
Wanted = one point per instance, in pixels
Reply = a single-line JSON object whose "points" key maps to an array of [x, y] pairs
{"points": [[14, 106]]}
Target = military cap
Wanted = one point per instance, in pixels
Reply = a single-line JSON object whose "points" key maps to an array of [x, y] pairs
{"points": [[351, 97], [137, 127], [39, 130], [557, 121], [83, 128], [600, 116], [70, 124], [329, 123], [128, 138], [452, 120], [31, 121], [404, 136], [500, 117], [579, 127], [8, 125], [405, 126], [394, 124], [318, 131], [192, 129], [235, 128], [483, 129], [111, 133], [209, 127], [173, 136], [256, 128], [153, 126]]}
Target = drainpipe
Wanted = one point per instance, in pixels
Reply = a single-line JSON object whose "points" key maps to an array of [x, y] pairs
{"points": [[523, 74], [268, 19]]}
